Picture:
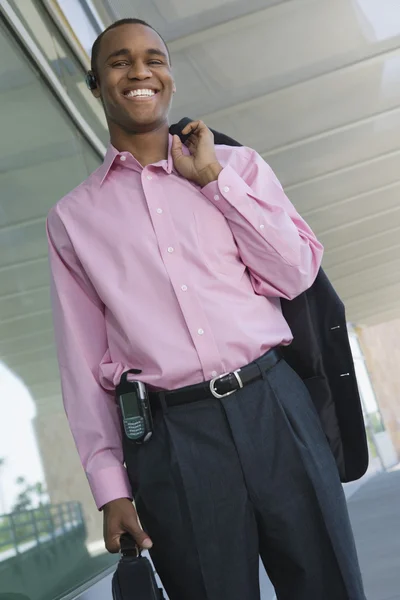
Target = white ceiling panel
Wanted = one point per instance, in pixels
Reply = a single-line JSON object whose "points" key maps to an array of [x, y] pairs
{"points": [[367, 279], [290, 39], [177, 18], [182, 9], [314, 107], [337, 149], [371, 303], [364, 246], [342, 213], [373, 258], [361, 228], [346, 183]]}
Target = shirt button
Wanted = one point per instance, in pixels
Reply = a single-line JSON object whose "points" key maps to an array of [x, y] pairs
{"points": [[170, 249], [200, 331], [184, 288], [262, 226], [214, 373], [123, 158], [216, 197], [226, 188], [159, 210], [149, 177]]}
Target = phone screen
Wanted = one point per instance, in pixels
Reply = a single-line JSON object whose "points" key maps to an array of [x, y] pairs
{"points": [[129, 405]]}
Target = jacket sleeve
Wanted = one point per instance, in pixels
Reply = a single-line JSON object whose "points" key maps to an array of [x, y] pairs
{"points": [[275, 243], [81, 342]]}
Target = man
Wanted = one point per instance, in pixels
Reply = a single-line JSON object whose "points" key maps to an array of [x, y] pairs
{"points": [[171, 259]]}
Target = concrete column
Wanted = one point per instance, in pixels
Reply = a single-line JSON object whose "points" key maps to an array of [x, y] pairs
{"points": [[380, 345]]}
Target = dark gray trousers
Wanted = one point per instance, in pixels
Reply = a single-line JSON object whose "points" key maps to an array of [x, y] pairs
{"points": [[223, 482]]}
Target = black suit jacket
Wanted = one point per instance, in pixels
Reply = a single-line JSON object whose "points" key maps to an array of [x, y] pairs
{"points": [[320, 353]]}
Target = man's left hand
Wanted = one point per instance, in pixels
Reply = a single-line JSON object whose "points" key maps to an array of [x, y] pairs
{"points": [[202, 166]]}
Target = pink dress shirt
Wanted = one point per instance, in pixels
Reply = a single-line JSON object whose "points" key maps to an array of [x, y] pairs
{"points": [[149, 271]]}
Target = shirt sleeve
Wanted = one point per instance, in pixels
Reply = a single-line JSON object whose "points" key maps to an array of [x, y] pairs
{"points": [[81, 343], [275, 243]]}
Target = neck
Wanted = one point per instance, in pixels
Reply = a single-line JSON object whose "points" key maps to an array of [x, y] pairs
{"points": [[147, 148]]}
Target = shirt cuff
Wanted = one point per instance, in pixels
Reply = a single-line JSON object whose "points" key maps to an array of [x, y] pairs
{"points": [[109, 484], [228, 192]]}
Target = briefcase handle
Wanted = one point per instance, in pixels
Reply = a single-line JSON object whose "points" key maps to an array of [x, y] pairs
{"points": [[128, 545]]}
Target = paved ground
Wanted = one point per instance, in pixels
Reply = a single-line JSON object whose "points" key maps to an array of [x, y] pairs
{"points": [[375, 516]]}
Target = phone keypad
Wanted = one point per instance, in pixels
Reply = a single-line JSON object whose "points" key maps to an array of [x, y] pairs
{"points": [[134, 427]]}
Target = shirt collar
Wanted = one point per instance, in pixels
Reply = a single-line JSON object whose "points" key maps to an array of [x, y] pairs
{"points": [[108, 161], [112, 153]]}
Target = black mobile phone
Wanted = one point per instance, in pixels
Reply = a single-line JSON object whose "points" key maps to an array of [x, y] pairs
{"points": [[135, 408]]}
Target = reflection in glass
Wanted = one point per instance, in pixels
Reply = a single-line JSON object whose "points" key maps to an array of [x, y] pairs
{"points": [[50, 531], [67, 68], [22, 480]]}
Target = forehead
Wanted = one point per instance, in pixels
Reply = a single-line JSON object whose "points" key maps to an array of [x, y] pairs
{"points": [[131, 36]]}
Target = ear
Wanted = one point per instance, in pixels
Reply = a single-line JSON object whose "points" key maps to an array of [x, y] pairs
{"points": [[174, 88], [92, 84]]}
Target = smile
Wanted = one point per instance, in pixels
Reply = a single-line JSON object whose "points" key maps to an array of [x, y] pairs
{"points": [[143, 94]]}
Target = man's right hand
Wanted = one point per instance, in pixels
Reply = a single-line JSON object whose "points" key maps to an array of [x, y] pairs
{"points": [[120, 516]]}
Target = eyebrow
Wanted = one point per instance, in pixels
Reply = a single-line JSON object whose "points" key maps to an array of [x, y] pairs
{"points": [[127, 52]]}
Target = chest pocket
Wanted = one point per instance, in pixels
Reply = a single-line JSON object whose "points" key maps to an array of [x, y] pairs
{"points": [[216, 242]]}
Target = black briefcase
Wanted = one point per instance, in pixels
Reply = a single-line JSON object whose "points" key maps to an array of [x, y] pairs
{"points": [[134, 578]]}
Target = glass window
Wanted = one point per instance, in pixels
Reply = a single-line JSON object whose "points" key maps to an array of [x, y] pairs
{"points": [[68, 69], [50, 530]]}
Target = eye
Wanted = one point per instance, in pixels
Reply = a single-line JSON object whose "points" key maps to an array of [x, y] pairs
{"points": [[120, 63], [155, 62]]}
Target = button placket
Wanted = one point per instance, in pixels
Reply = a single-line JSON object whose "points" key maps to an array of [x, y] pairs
{"points": [[177, 270]]}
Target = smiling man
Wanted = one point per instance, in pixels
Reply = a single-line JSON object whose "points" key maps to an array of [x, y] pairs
{"points": [[170, 261]]}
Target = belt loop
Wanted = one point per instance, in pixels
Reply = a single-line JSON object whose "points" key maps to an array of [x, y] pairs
{"points": [[163, 402]]}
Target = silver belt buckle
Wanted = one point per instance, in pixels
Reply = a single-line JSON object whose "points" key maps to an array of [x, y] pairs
{"points": [[214, 391]]}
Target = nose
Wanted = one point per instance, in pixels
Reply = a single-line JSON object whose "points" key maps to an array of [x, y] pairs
{"points": [[139, 70]]}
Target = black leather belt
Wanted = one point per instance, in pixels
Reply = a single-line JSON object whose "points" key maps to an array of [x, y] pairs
{"points": [[221, 386]]}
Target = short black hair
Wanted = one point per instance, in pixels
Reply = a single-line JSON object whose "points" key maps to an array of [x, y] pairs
{"points": [[97, 42]]}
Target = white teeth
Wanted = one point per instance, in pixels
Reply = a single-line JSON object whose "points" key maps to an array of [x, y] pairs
{"points": [[133, 93]]}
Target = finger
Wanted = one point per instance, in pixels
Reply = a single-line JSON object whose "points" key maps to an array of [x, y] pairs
{"points": [[176, 149], [140, 536], [112, 542], [200, 133], [190, 145], [192, 127]]}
